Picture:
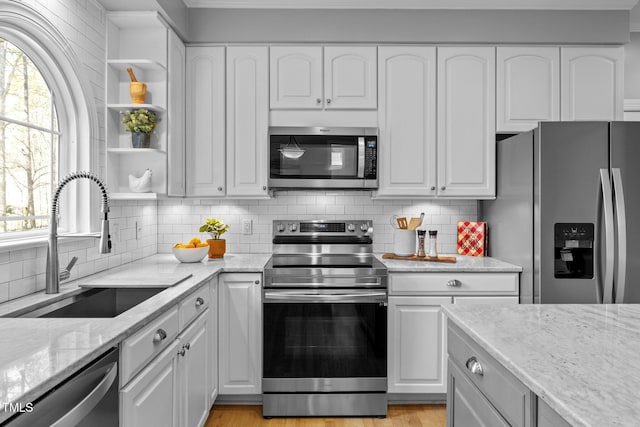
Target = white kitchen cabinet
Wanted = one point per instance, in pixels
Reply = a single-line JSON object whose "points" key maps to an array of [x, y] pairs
{"points": [[176, 184], [171, 361], [417, 343], [407, 121], [528, 87], [213, 341], [316, 77], [240, 333], [151, 398], [247, 104], [592, 83], [466, 122], [140, 40], [205, 152], [193, 372]]}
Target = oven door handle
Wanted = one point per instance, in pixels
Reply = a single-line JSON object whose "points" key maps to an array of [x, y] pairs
{"points": [[293, 296]]}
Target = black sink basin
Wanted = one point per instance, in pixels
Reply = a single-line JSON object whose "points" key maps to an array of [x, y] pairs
{"points": [[95, 302]]}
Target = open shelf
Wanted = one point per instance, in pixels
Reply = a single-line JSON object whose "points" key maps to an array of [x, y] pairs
{"points": [[133, 150], [152, 107], [142, 64]]}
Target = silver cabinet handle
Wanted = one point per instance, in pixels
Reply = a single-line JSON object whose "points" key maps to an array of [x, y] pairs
{"points": [[474, 366], [182, 352], [264, 187], [318, 100], [443, 188], [257, 282], [454, 282], [187, 345], [160, 335], [199, 302], [433, 188], [219, 188], [328, 100]]}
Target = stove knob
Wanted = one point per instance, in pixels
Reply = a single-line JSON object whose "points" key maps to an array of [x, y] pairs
{"points": [[351, 227], [280, 227], [364, 227], [293, 227]]}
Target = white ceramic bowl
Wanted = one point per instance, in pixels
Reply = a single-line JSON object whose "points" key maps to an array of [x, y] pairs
{"points": [[190, 254]]}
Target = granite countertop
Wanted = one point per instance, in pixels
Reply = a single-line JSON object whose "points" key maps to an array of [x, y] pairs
{"points": [[463, 264], [39, 353], [580, 359]]}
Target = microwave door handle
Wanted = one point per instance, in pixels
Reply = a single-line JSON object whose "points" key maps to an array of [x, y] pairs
{"points": [[622, 236], [361, 157], [75, 415]]}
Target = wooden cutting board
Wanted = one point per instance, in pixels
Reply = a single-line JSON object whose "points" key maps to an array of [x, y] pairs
{"points": [[439, 258]]}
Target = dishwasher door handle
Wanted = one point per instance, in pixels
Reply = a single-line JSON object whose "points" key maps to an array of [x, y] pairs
{"points": [[86, 405]]}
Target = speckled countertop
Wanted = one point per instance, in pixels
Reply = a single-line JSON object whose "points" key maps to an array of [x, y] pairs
{"points": [[37, 354], [462, 264], [580, 359]]}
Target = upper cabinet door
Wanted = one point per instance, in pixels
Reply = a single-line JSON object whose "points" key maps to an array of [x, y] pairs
{"points": [[247, 120], [176, 145], [205, 121], [350, 77], [296, 77], [592, 83], [407, 121], [528, 88], [466, 122]]}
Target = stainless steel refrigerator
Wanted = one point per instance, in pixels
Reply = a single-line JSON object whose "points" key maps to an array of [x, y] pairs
{"points": [[568, 210]]}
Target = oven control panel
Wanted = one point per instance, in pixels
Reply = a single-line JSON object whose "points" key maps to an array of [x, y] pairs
{"points": [[356, 227]]}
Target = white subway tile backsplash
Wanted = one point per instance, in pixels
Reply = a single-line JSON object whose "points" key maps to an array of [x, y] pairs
{"points": [[441, 215]]}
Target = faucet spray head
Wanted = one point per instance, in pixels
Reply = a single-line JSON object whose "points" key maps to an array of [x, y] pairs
{"points": [[105, 237]]}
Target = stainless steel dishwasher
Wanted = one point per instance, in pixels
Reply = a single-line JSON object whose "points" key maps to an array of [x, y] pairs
{"points": [[88, 398]]}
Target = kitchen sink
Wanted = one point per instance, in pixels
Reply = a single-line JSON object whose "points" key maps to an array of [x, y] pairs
{"points": [[92, 303]]}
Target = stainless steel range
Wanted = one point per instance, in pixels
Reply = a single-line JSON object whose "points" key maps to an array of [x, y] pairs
{"points": [[325, 321]]}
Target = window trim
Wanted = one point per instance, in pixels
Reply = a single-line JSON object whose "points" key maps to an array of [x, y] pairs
{"points": [[75, 104]]}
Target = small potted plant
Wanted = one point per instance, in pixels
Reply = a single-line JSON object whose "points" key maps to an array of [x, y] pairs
{"points": [[216, 228], [140, 122]]}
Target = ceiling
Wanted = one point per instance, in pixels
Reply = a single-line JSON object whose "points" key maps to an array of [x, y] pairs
{"points": [[417, 4]]}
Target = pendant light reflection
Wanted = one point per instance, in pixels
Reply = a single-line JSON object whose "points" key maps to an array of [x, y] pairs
{"points": [[292, 151]]}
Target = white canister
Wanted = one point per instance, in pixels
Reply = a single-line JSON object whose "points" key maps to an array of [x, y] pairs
{"points": [[404, 242]]}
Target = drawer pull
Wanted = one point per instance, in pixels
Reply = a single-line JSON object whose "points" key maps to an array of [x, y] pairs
{"points": [[474, 366], [182, 352], [159, 336], [187, 346], [199, 302], [454, 282]]}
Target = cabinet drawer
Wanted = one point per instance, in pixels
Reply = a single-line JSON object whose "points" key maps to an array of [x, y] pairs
{"points": [[145, 344], [193, 305], [453, 283], [509, 396]]}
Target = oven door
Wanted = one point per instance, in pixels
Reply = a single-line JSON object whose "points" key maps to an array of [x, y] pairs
{"points": [[324, 340]]}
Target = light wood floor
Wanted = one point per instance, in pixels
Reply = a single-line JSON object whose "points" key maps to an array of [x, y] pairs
{"points": [[398, 416]]}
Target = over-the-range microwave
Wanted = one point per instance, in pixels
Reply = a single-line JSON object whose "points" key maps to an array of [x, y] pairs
{"points": [[323, 157]]}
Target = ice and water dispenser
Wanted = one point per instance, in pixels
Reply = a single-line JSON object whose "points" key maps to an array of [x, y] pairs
{"points": [[573, 250]]}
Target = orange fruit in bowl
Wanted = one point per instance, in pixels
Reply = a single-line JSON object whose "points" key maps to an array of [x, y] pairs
{"points": [[194, 241], [202, 245]]}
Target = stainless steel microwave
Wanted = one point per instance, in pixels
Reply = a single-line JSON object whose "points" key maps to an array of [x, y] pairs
{"points": [[323, 157]]}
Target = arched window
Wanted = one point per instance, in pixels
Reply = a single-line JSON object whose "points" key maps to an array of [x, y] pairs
{"points": [[48, 124], [29, 136]]}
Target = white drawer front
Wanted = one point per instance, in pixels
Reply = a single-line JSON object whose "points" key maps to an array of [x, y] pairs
{"points": [[193, 305], [145, 344], [453, 283]]}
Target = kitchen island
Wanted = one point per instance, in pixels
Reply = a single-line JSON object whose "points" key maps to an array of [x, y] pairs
{"points": [[581, 361]]}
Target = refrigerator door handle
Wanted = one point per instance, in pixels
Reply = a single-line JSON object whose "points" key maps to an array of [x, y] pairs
{"points": [[607, 196], [622, 236]]}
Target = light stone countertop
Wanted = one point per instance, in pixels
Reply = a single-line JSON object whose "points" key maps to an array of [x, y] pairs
{"points": [[582, 360], [37, 354], [463, 263]]}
